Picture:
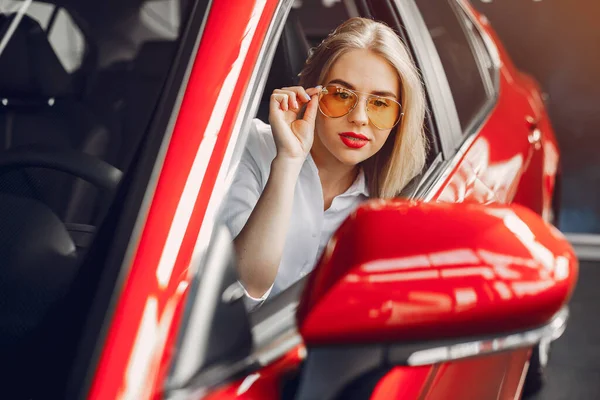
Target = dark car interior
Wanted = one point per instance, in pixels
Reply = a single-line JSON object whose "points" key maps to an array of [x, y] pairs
{"points": [[68, 135]]}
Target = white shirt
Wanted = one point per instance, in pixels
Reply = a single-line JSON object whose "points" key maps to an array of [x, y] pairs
{"points": [[310, 226]]}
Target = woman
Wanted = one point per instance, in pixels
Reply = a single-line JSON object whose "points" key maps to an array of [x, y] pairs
{"points": [[355, 132]]}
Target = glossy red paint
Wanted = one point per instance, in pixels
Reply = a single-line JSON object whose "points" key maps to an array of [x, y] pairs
{"points": [[404, 383], [264, 384], [499, 376], [515, 370], [142, 333], [398, 270], [501, 164], [458, 378]]}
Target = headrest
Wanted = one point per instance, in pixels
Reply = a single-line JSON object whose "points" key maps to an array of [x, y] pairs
{"points": [[28, 65]]}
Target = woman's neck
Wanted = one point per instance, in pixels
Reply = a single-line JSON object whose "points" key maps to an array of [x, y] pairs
{"points": [[335, 177]]}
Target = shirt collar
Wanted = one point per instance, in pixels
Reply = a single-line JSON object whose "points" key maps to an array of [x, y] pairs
{"points": [[359, 186]]}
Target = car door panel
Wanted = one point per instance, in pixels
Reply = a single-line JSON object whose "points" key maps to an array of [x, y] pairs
{"points": [[498, 164], [273, 381], [547, 152]]}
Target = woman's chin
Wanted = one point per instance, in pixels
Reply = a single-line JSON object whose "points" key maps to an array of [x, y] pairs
{"points": [[351, 157]]}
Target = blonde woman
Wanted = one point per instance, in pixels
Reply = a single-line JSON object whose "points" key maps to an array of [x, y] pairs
{"points": [[352, 130]]}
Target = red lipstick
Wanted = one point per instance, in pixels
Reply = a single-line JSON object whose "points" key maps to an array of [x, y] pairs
{"points": [[353, 140]]}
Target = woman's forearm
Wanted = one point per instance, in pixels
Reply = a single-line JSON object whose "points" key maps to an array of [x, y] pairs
{"points": [[259, 245]]}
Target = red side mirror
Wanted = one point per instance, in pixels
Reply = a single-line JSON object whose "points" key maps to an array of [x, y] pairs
{"points": [[406, 271]]}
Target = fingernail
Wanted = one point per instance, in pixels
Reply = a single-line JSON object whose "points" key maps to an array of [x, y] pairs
{"points": [[307, 96], [318, 87]]}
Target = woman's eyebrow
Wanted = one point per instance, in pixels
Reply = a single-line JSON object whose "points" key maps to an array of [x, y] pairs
{"points": [[383, 93]]}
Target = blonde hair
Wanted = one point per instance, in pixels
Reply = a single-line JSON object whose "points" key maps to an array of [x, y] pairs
{"points": [[403, 155]]}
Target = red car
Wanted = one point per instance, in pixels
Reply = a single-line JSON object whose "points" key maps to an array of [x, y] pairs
{"points": [[122, 124]]}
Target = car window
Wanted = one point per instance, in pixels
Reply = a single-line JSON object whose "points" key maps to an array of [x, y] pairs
{"points": [[307, 24], [451, 34]]}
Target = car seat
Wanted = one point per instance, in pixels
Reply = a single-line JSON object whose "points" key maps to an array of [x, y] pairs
{"points": [[42, 104]]}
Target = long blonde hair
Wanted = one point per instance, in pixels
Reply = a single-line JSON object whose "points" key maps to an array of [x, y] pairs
{"points": [[403, 155]]}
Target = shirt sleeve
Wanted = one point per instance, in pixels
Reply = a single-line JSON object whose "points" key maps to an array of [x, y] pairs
{"points": [[248, 183], [254, 302], [250, 178]]}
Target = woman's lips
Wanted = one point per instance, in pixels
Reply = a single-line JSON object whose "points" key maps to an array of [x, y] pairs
{"points": [[353, 140]]}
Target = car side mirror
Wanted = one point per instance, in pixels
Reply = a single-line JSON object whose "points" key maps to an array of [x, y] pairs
{"points": [[215, 331], [409, 283]]}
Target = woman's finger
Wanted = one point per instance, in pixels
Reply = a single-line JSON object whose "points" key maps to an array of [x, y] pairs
{"points": [[291, 96], [314, 90], [310, 114], [279, 101], [300, 92]]}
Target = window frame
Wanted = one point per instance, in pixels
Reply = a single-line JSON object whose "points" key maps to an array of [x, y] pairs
{"points": [[455, 142], [246, 114], [491, 79]]}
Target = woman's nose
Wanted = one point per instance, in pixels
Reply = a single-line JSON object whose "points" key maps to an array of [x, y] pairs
{"points": [[359, 115]]}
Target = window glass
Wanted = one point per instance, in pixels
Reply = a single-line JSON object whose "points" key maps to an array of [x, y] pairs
{"points": [[64, 36], [458, 58], [483, 48], [79, 83], [67, 41]]}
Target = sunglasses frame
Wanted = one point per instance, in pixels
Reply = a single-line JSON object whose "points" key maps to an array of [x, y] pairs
{"points": [[356, 92]]}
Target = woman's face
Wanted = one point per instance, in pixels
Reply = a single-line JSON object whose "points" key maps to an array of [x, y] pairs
{"points": [[368, 73]]}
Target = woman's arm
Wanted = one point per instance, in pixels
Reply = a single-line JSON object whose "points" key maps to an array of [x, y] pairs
{"points": [[259, 245]]}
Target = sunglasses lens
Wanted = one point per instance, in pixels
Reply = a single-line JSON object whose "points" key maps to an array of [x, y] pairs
{"points": [[384, 113], [336, 102]]}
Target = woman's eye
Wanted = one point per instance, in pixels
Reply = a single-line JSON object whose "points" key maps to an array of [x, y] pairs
{"points": [[379, 103], [343, 95]]}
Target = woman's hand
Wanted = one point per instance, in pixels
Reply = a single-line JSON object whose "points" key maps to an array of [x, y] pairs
{"points": [[293, 136]]}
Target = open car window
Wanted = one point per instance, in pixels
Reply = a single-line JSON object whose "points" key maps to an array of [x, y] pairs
{"points": [[307, 24], [460, 53]]}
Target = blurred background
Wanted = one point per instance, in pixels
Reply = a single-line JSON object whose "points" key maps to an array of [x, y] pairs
{"points": [[558, 42]]}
